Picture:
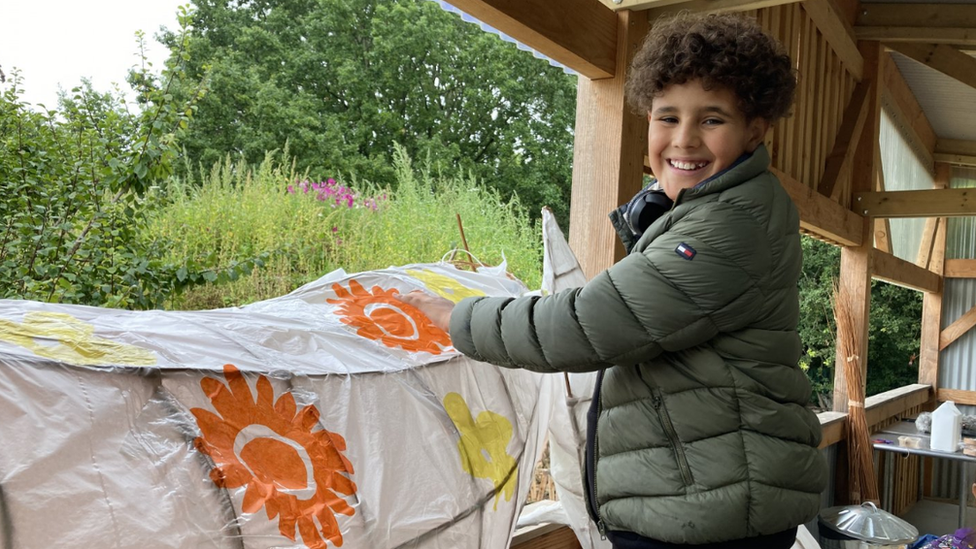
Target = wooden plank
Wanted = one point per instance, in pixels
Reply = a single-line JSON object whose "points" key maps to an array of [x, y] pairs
{"points": [[932, 35], [833, 425], [607, 156], [807, 80], [821, 215], [955, 146], [958, 396], [854, 286], [839, 34], [791, 26], [882, 226], [957, 329], [927, 244], [941, 57], [928, 356], [925, 203], [545, 536], [840, 158], [955, 151], [940, 15], [889, 404], [904, 273], [956, 159], [819, 151], [581, 34], [657, 9], [905, 102], [960, 268]]}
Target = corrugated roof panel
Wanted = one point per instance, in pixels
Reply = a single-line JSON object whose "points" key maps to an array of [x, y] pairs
{"points": [[488, 28], [949, 104]]}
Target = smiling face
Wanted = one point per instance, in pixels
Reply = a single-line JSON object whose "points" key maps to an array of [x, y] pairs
{"points": [[694, 133]]}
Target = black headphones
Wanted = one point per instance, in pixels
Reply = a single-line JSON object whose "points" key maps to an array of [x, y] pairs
{"points": [[645, 208]]}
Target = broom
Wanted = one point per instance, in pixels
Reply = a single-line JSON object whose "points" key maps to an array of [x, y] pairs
{"points": [[863, 483]]}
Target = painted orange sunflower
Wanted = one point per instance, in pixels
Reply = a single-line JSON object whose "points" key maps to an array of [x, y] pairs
{"points": [[271, 448], [377, 315]]}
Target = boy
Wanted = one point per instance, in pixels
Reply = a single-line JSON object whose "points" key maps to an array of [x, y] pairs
{"points": [[699, 433]]}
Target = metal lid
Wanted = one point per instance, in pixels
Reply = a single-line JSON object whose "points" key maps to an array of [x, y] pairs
{"points": [[866, 522]]}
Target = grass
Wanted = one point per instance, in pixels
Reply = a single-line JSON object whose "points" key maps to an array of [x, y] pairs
{"points": [[235, 212]]}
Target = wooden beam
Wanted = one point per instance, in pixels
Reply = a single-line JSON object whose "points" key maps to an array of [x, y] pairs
{"points": [[656, 9], [930, 35], [960, 268], [957, 329], [955, 159], [838, 32], [833, 425], [581, 34], [909, 111], [882, 227], [904, 273], [854, 286], [926, 246], [941, 57], [954, 151], [891, 403], [821, 215], [928, 355], [959, 396], [839, 159], [937, 15], [927, 203], [608, 154]]}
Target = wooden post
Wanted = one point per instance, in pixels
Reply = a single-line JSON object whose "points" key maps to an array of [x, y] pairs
{"points": [[608, 155], [928, 360], [854, 285]]}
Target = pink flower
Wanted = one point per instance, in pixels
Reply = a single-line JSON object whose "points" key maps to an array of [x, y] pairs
{"points": [[335, 229], [291, 189]]}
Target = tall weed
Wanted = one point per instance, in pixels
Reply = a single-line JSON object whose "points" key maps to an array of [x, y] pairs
{"points": [[237, 212]]}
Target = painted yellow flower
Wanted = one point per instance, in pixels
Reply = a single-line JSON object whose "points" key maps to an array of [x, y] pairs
{"points": [[64, 338], [445, 286], [483, 445]]}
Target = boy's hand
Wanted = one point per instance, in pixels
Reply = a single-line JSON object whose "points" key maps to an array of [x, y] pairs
{"points": [[437, 309]]}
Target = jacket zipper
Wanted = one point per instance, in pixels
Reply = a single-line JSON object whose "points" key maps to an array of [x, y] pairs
{"points": [[590, 467], [672, 435]]}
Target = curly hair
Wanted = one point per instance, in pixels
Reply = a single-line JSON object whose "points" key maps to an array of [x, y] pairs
{"points": [[722, 51]]}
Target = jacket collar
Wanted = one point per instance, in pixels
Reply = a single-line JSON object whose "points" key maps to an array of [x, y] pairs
{"points": [[744, 169]]}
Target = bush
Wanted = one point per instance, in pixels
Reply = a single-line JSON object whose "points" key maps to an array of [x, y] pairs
{"points": [[311, 228]]}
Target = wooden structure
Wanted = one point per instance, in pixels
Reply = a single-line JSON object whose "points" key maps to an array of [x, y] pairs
{"points": [[826, 155]]}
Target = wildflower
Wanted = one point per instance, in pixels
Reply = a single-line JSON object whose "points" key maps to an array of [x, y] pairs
{"points": [[335, 229], [291, 189]]}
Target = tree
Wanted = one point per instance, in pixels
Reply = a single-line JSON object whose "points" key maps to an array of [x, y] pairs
{"points": [[894, 330], [74, 184], [342, 81]]}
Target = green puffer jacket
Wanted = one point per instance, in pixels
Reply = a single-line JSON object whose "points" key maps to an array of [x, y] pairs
{"points": [[702, 434]]}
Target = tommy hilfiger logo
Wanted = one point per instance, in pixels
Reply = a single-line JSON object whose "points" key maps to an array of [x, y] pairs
{"points": [[685, 251]]}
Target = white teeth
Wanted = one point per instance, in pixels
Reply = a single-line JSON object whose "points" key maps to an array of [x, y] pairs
{"points": [[687, 165]]}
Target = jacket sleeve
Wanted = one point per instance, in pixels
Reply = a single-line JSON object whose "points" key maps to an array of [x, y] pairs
{"points": [[648, 303]]}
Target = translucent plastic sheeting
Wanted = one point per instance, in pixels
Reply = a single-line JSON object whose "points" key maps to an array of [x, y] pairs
{"points": [[333, 416], [567, 426]]}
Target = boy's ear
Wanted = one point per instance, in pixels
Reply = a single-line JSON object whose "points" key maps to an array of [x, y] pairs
{"points": [[757, 131]]}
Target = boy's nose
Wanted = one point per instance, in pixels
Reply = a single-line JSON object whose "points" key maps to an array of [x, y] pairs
{"points": [[687, 136]]}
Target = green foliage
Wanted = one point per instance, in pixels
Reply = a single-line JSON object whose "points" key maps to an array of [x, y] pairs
{"points": [[342, 81], [75, 184], [235, 212], [894, 331]]}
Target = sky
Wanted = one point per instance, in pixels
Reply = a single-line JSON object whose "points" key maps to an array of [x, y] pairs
{"points": [[56, 42]]}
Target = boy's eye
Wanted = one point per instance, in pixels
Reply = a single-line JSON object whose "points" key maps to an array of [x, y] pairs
{"points": [[668, 120], [714, 121]]}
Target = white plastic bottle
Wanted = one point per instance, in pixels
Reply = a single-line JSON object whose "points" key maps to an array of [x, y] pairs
{"points": [[946, 427]]}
